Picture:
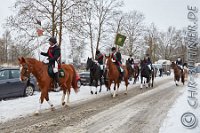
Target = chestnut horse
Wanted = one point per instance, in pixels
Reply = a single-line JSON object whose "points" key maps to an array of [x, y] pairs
{"points": [[178, 74], [113, 75], [45, 82]]}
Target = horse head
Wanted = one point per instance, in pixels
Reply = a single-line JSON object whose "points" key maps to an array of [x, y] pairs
{"points": [[24, 69], [173, 65], [89, 63], [107, 60]]}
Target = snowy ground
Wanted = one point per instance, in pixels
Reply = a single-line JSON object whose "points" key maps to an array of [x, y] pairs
{"points": [[20, 107], [172, 124]]}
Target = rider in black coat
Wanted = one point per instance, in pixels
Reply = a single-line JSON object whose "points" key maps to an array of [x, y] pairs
{"points": [[54, 57]]}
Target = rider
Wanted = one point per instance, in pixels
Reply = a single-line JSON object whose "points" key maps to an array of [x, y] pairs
{"points": [[179, 62], [99, 59], [148, 61], [54, 59], [131, 61], [116, 58]]}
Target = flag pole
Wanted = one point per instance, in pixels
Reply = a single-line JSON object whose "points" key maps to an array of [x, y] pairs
{"points": [[38, 48]]}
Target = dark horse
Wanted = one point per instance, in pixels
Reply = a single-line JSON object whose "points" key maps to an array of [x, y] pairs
{"points": [[178, 73], [113, 74], [95, 74], [146, 73], [132, 72], [45, 82]]}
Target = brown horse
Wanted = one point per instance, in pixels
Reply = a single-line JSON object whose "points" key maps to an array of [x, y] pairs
{"points": [[178, 74], [113, 75], [45, 82]]}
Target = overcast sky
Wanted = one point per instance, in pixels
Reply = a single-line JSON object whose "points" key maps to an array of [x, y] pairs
{"points": [[163, 13]]}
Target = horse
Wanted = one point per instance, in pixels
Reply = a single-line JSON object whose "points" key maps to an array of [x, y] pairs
{"points": [[95, 74], [178, 74], [45, 82], [146, 73], [132, 72], [113, 75]]}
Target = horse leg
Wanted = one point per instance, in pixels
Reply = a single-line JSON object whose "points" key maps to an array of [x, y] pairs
{"points": [[42, 96], [117, 89], [49, 102], [63, 97], [90, 86], [114, 94], [126, 83], [147, 83], [68, 93], [96, 85], [100, 84], [141, 84]]}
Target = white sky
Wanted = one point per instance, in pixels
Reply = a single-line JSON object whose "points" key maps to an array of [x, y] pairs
{"points": [[163, 13]]}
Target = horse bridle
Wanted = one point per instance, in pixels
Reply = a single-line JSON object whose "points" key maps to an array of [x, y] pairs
{"points": [[26, 73]]}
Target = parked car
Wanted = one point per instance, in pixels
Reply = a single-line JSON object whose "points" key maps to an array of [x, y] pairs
{"points": [[78, 79], [11, 86], [85, 78]]}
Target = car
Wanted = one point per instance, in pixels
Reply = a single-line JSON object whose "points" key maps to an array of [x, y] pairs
{"points": [[85, 78], [11, 85], [78, 79]]}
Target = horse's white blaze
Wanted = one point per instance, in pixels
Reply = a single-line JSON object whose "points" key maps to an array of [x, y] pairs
{"points": [[106, 63]]}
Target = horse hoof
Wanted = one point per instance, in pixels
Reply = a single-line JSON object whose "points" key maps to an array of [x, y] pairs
{"points": [[176, 84], [125, 93], [36, 113], [52, 108], [91, 92], [63, 103], [96, 93]]}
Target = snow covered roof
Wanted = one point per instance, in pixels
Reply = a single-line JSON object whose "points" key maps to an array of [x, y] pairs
{"points": [[167, 62]]}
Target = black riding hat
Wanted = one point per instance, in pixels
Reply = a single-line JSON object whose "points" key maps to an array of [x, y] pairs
{"points": [[53, 40], [113, 48], [97, 52]]}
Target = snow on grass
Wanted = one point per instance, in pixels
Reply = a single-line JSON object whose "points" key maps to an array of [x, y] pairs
{"points": [[172, 124]]}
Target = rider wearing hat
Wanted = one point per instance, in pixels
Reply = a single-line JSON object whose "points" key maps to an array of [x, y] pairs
{"points": [[99, 59], [179, 62], [131, 61], [148, 61], [54, 59], [116, 58]]}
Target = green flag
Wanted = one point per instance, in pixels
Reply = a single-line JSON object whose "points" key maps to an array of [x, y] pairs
{"points": [[120, 39]]}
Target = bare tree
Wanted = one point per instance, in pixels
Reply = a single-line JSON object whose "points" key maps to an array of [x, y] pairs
{"points": [[172, 44], [55, 15], [151, 39], [133, 27], [97, 14]]}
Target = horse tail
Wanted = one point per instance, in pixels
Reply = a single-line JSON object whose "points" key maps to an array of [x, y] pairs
{"points": [[74, 81]]}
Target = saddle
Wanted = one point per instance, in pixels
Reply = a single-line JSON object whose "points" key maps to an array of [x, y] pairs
{"points": [[51, 73]]}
